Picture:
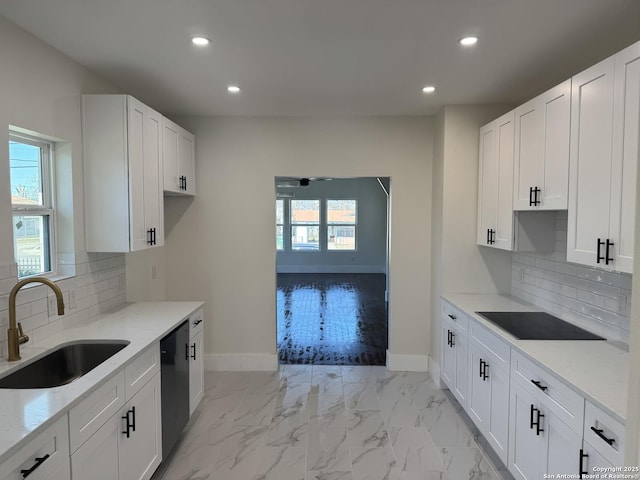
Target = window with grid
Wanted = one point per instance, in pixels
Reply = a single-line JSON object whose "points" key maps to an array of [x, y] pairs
{"points": [[279, 224], [32, 204], [305, 225], [341, 224]]}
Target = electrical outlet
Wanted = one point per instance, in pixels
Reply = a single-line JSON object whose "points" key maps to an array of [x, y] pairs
{"points": [[52, 306], [622, 304], [71, 300]]}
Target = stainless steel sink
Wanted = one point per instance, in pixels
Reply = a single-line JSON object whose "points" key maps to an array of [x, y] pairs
{"points": [[63, 365]]}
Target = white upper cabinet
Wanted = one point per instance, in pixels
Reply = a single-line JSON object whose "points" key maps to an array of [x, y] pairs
{"points": [[541, 165], [122, 145], [178, 158], [605, 110], [495, 184]]}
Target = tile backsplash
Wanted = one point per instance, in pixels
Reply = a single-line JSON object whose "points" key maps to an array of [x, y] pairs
{"points": [[593, 299], [97, 287]]}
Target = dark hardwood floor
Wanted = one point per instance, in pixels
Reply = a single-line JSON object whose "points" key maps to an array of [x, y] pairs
{"points": [[332, 319]]}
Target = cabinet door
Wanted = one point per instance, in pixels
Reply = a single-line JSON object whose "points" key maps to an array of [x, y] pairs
{"points": [[448, 370], [542, 150], [196, 371], [170, 165], [97, 458], [590, 162], [591, 459], [479, 407], [153, 195], [562, 446], [487, 178], [504, 182], [136, 112], [498, 431], [187, 161], [461, 348], [141, 452], [525, 446], [626, 124]]}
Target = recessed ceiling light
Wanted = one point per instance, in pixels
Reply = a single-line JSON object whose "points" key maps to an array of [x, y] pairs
{"points": [[200, 41], [428, 89], [233, 89], [468, 41]]}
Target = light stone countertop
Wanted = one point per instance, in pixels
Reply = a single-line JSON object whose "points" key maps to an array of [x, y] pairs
{"points": [[598, 370], [24, 413]]}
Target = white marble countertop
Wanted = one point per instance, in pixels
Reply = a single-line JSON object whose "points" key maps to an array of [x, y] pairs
{"points": [[24, 413], [598, 370]]}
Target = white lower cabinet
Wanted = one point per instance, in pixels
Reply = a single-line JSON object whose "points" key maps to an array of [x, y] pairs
{"points": [[129, 445], [196, 360], [46, 457], [540, 443], [455, 352], [489, 398]]}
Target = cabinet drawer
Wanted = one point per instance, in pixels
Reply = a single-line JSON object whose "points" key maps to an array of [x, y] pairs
{"points": [[457, 316], [196, 323], [141, 370], [564, 402], [48, 452], [609, 442], [497, 351], [91, 413]]}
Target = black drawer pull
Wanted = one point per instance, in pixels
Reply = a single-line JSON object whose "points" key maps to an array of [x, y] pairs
{"points": [[606, 255], [484, 371], [130, 418], [599, 432], [452, 316], [194, 351], [537, 384], [39, 461], [197, 322], [453, 339]]}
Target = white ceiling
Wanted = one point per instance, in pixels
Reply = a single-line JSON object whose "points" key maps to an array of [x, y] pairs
{"points": [[330, 57]]}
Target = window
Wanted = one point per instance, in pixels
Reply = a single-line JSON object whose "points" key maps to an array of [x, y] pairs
{"points": [[32, 204], [341, 224], [305, 225], [280, 224]]}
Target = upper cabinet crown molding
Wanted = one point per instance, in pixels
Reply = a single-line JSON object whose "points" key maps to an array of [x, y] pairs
{"points": [[178, 159], [605, 121], [122, 147], [541, 160]]}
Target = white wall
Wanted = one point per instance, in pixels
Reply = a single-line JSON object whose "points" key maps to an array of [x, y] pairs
{"points": [[459, 265], [210, 257], [40, 91], [371, 236]]}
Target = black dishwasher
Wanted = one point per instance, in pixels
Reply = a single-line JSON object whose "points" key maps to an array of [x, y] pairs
{"points": [[175, 385]]}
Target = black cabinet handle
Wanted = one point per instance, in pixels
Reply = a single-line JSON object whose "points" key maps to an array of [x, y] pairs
{"points": [[536, 191], [194, 351], [531, 204], [150, 236], [481, 362], [537, 384], [493, 237], [581, 470], [484, 371], [536, 423], [606, 255], [39, 461], [453, 339], [185, 183], [451, 316], [130, 422], [488, 236], [599, 432], [199, 321], [598, 256]]}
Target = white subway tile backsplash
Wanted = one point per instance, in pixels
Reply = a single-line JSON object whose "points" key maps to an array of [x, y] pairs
{"points": [[593, 299], [97, 284]]}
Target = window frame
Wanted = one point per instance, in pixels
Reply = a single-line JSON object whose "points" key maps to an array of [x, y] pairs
{"points": [[332, 224], [47, 209], [293, 224], [281, 224]]}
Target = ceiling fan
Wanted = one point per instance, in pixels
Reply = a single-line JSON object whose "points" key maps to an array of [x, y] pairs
{"points": [[295, 182]]}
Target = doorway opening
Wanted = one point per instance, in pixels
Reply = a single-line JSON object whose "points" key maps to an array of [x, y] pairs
{"points": [[332, 238]]}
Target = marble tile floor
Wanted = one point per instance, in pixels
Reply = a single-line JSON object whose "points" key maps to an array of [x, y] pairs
{"points": [[324, 422]]}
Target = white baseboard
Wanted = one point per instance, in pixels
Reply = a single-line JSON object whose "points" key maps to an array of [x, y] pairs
{"points": [[434, 372], [330, 269], [397, 362], [234, 362]]}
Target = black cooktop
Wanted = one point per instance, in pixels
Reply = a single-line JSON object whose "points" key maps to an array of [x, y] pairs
{"points": [[537, 326]]}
